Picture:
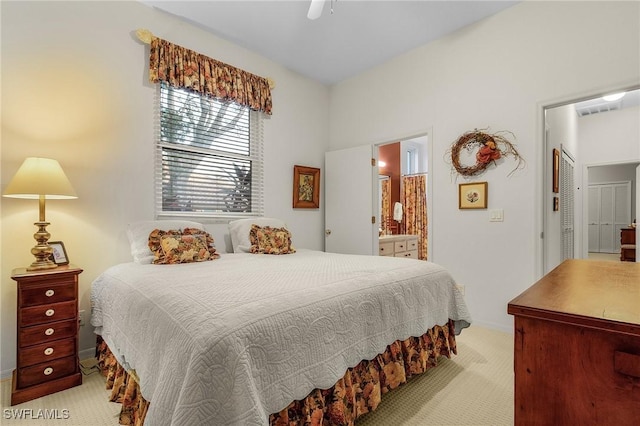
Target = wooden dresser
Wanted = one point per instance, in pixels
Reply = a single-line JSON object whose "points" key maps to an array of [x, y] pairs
{"points": [[399, 246], [47, 349], [577, 346]]}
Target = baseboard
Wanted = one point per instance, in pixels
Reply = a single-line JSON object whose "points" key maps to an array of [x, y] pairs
{"points": [[86, 354]]}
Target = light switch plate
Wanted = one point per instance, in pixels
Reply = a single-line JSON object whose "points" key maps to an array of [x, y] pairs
{"points": [[496, 215]]}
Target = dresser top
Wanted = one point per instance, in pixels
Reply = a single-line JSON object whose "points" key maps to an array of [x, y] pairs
{"points": [[396, 237], [587, 292]]}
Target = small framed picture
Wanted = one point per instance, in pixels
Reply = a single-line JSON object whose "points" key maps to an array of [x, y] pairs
{"points": [[555, 184], [59, 256], [306, 187], [472, 195]]}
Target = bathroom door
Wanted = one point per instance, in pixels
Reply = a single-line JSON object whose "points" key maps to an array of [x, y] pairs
{"points": [[349, 201]]}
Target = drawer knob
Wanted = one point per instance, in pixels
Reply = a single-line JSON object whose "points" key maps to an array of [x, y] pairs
{"points": [[50, 312], [47, 371], [48, 351], [49, 331], [49, 293]]}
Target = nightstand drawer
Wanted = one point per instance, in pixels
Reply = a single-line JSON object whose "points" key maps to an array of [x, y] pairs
{"points": [[46, 371], [44, 333], [48, 292], [47, 313], [47, 352]]}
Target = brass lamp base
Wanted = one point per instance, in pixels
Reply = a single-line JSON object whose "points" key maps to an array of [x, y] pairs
{"points": [[42, 251]]}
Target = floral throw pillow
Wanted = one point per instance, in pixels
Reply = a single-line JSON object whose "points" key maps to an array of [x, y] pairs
{"points": [[181, 246], [268, 240]]}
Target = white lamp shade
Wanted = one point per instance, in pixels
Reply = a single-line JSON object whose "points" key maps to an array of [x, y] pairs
{"points": [[40, 176]]}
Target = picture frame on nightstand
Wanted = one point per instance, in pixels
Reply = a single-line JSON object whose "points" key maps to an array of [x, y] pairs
{"points": [[59, 256]]}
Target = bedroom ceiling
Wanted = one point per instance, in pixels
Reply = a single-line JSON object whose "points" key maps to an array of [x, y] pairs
{"points": [[357, 36]]}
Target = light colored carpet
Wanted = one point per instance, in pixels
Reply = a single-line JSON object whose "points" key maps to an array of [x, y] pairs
{"points": [[473, 388], [613, 257]]}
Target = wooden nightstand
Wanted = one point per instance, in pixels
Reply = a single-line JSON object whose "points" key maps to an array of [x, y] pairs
{"points": [[47, 350]]}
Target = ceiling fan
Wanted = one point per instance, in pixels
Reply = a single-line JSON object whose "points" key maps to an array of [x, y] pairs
{"points": [[315, 8]]}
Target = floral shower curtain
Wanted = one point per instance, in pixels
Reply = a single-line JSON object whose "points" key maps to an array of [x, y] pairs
{"points": [[414, 195], [385, 208]]}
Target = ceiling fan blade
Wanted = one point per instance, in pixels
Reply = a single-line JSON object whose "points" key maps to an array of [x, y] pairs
{"points": [[315, 9]]}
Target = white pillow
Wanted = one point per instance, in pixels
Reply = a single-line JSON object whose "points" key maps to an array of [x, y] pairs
{"points": [[239, 231], [138, 234]]}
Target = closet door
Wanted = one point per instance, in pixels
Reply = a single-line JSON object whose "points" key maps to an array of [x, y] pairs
{"points": [[607, 203], [594, 219], [609, 211], [622, 211], [567, 206]]}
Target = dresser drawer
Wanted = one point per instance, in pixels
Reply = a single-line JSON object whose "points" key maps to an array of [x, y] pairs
{"points": [[412, 244], [386, 249], [412, 254], [48, 292], [47, 352], [47, 313], [44, 333], [46, 371], [400, 246]]}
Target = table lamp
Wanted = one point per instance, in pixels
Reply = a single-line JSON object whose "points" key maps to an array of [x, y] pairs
{"points": [[42, 179]]}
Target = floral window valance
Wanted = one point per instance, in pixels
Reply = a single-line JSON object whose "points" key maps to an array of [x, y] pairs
{"points": [[187, 69]]}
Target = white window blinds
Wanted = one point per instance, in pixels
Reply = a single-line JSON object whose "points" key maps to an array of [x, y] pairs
{"points": [[208, 157]]}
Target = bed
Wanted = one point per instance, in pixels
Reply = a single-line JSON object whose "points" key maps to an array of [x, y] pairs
{"points": [[245, 335]]}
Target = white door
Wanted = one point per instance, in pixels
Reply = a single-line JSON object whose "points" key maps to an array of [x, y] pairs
{"points": [[567, 205], [349, 201], [606, 219], [609, 211], [594, 219]]}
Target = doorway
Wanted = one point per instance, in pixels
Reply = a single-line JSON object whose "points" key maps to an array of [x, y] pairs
{"points": [[403, 195]]}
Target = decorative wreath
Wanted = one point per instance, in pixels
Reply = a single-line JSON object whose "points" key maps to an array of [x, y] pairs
{"points": [[489, 149]]}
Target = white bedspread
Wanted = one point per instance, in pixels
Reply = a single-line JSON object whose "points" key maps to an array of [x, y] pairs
{"points": [[232, 340]]}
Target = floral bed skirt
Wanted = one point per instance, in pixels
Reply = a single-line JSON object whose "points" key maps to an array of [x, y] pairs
{"points": [[358, 392]]}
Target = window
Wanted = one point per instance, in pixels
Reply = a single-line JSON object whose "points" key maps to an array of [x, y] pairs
{"points": [[208, 157], [411, 161]]}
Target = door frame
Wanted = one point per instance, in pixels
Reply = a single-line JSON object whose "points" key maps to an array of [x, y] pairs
{"points": [[540, 186]]}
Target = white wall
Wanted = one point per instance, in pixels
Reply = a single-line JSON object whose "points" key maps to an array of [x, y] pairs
{"points": [[498, 73], [75, 88], [610, 137]]}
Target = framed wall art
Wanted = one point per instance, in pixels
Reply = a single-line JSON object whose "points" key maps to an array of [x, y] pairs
{"points": [[306, 187], [556, 171], [472, 195], [59, 256]]}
